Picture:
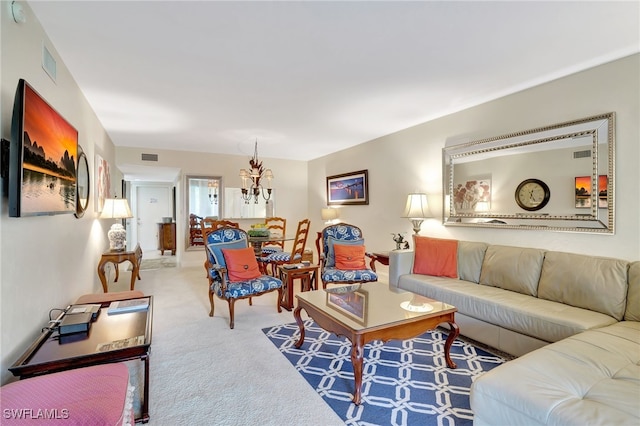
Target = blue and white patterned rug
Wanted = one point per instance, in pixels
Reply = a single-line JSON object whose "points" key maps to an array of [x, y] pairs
{"points": [[404, 382]]}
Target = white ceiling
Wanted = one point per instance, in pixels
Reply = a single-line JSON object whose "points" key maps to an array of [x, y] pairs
{"points": [[310, 78]]}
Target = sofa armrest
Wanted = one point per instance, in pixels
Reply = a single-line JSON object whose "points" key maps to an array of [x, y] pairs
{"points": [[400, 263]]}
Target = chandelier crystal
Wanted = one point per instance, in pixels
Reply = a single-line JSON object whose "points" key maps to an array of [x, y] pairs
{"points": [[251, 180]]}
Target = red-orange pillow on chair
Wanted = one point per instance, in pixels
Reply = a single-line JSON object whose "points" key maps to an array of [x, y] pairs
{"points": [[349, 257], [435, 256], [241, 264]]}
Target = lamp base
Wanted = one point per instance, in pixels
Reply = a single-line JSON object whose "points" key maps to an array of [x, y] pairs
{"points": [[117, 237], [417, 223]]}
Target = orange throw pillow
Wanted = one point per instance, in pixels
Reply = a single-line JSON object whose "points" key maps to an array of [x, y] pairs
{"points": [[349, 257], [435, 256], [241, 264]]}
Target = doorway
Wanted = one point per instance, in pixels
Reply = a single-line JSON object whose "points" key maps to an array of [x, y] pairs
{"points": [[153, 202]]}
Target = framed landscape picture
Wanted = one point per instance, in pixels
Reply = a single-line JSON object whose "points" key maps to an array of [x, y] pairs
{"points": [[348, 188], [583, 192]]}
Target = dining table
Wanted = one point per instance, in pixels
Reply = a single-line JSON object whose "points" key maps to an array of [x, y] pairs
{"points": [[258, 241]]}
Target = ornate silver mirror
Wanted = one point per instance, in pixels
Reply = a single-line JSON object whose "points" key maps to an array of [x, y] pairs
{"points": [[559, 177]]}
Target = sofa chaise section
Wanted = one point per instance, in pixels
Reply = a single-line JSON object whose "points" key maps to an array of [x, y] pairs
{"points": [[587, 379]]}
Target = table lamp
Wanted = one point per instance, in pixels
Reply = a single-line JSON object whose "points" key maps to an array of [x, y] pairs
{"points": [[416, 210], [329, 215], [116, 208]]}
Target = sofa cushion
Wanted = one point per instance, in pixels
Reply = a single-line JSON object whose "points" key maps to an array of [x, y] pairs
{"points": [[595, 283], [588, 379], [470, 257], [632, 312], [512, 268], [436, 256], [539, 318]]}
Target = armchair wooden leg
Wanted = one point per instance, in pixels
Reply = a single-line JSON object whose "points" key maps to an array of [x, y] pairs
{"points": [[211, 301], [251, 301], [279, 299], [231, 307]]}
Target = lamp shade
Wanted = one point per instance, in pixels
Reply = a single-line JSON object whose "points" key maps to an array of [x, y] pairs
{"points": [[417, 207], [329, 214], [116, 208]]}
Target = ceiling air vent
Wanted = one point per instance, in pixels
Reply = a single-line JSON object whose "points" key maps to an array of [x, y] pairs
{"points": [[582, 154], [149, 157]]}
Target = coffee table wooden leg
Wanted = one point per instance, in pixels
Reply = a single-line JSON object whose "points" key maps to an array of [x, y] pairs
{"points": [[357, 359], [296, 315], [453, 334]]}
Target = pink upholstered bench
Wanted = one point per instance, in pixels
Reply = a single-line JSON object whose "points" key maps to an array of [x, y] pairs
{"points": [[109, 297], [97, 395]]}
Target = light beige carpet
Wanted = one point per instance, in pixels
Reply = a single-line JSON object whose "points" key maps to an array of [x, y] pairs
{"points": [[203, 373]]}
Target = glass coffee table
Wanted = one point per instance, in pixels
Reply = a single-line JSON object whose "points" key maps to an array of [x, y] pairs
{"points": [[371, 311]]}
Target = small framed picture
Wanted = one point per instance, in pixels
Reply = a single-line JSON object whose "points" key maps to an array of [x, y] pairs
{"points": [[348, 188], [583, 192]]}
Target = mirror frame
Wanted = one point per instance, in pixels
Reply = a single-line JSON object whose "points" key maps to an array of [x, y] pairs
{"points": [[597, 128], [82, 174], [187, 204]]}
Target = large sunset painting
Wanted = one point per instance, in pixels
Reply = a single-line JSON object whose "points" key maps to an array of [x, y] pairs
{"points": [[50, 150]]}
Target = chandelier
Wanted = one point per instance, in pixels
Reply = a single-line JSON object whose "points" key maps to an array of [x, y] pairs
{"points": [[213, 191], [251, 186]]}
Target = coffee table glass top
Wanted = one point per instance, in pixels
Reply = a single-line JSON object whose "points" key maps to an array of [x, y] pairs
{"points": [[371, 305]]}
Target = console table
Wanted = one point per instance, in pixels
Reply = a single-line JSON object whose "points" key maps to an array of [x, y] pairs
{"points": [[117, 257], [112, 338]]}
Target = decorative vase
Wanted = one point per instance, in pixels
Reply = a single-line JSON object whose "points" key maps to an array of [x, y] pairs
{"points": [[117, 237]]}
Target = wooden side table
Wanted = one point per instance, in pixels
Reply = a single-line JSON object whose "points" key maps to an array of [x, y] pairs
{"points": [[117, 257], [308, 277], [382, 257]]}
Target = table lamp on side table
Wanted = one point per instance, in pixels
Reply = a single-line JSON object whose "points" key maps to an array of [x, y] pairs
{"points": [[116, 208], [416, 210]]}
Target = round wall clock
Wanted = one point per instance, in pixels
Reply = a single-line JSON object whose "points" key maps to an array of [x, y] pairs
{"points": [[532, 194], [82, 184]]}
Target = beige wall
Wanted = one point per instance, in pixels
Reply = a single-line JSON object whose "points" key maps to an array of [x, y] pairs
{"points": [[290, 186], [48, 261], [411, 160]]}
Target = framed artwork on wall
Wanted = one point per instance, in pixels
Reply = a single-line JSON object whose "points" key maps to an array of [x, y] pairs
{"points": [[348, 188], [472, 196], [103, 182], [583, 192]]}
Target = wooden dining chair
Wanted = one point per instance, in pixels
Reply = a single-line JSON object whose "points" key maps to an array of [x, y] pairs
{"points": [[208, 222], [295, 255], [276, 226]]}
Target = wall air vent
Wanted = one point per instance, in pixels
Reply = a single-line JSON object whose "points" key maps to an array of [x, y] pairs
{"points": [[49, 63], [582, 154], [149, 157]]}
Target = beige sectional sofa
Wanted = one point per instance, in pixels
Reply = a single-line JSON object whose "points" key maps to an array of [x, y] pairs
{"points": [[576, 318]]}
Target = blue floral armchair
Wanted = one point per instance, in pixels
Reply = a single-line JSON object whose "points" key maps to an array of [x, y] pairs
{"points": [[343, 234], [217, 272]]}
